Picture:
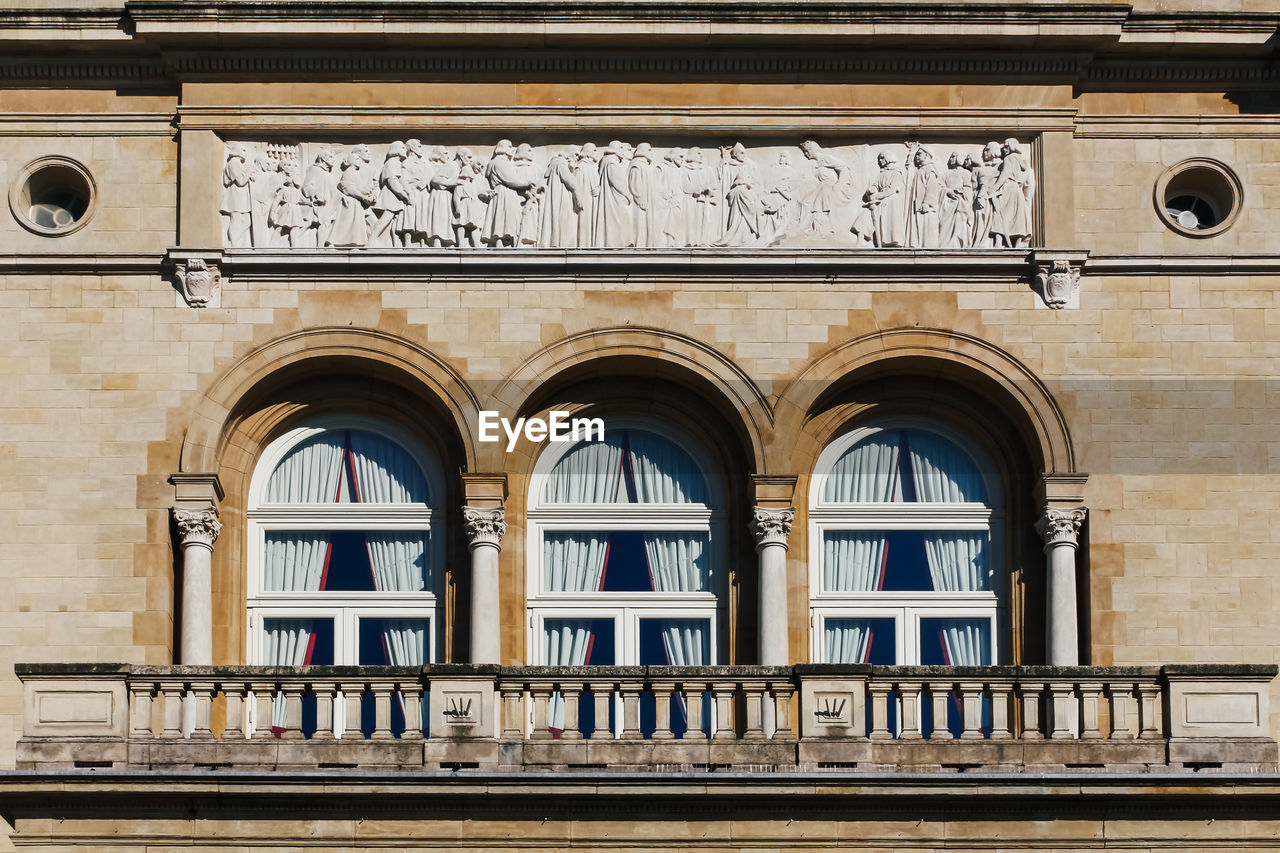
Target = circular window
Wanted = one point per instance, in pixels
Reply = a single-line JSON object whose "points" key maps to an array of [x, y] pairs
{"points": [[52, 196], [1199, 197]]}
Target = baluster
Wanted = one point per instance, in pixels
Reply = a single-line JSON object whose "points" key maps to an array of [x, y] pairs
{"points": [[722, 702], [381, 710], [939, 693], [754, 693], [292, 691], [326, 703], [411, 699], [201, 696], [1031, 722], [662, 711], [1063, 709], [140, 718], [512, 711], [782, 694], [911, 724], [352, 711], [1001, 706], [237, 710], [1151, 716], [1090, 691], [630, 692], [572, 696], [1124, 711], [879, 691], [971, 708], [173, 691], [264, 694], [543, 697], [602, 697], [693, 694]]}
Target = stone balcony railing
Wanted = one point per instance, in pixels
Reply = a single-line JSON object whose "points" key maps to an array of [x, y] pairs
{"points": [[802, 718]]}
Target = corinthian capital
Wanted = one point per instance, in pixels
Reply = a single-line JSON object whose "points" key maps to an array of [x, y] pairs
{"points": [[772, 526], [1060, 526], [484, 526], [197, 526]]}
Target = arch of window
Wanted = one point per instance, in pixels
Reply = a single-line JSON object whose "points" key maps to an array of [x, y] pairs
{"points": [[906, 547], [344, 567]]}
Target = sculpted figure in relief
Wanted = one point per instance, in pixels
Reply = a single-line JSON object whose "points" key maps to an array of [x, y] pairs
{"points": [[742, 200], [236, 201], [779, 208], [391, 200], [443, 176], [955, 207], [507, 184], [644, 184], [613, 217], [1014, 186], [468, 199], [887, 200], [701, 201], [926, 198], [355, 196], [320, 190], [415, 177], [563, 204], [587, 172], [291, 214], [829, 194], [531, 214], [671, 179], [263, 183], [985, 176]]}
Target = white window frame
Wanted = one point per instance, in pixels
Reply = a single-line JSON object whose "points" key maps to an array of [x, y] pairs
{"points": [[345, 608], [625, 608], [906, 608]]}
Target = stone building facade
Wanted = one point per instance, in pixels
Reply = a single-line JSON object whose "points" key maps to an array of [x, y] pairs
{"points": [[934, 347]]}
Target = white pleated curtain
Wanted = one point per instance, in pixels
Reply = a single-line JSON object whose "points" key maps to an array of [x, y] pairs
{"points": [[677, 561], [966, 642], [574, 562], [686, 641], [629, 466], [294, 561], [847, 640], [567, 643], [286, 642], [855, 561]]}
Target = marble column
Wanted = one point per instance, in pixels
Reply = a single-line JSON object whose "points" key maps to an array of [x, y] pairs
{"points": [[770, 528], [1060, 529], [198, 529], [485, 529]]}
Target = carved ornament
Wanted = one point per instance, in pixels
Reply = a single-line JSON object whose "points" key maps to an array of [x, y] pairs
{"points": [[772, 526], [1058, 281], [1061, 526], [197, 527], [199, 281], [484, 526]]}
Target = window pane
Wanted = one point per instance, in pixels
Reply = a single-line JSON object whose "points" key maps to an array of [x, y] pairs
{"points": [[860, 641], [906, 561], [629, 466], [955, 642], [675, 642], [393, 642], [578, 642], [347, 466], [345, 561], [297, 642], [626, 561]]}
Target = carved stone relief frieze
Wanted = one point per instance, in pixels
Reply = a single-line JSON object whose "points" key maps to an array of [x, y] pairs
{"points": [[407, 194]]}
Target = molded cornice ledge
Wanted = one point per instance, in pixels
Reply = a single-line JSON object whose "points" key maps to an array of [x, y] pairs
{"points": [[584, 21]]}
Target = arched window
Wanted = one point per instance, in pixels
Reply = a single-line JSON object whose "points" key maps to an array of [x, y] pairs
{"points": [[343, 565], [625, 544], [906, 549]]}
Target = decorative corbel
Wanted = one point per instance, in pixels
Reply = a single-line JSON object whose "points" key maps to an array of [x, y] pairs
{"points": [[1057, 277]]}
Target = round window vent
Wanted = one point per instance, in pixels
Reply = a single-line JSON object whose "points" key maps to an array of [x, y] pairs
{"points": [[1199, 197], [52, 196]]}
